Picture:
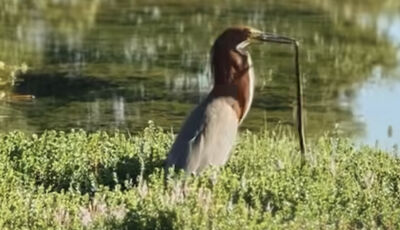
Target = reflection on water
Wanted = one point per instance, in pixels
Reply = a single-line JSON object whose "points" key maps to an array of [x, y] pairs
{"points": [[373, 107], [119, 110], [376, 103], [116, 64], [387, 24]]}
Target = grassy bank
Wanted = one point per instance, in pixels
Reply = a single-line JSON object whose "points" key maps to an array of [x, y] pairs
{"points": [[97, 181]]}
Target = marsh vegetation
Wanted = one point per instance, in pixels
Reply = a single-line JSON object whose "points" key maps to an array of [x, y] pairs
{"points": [[77, 180]]}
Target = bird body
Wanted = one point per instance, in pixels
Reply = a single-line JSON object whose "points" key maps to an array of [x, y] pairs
{"points": [[209, 133], [207, 136]]}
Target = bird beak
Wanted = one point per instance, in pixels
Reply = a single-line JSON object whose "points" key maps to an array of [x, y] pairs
{"points": [[269, 37]]}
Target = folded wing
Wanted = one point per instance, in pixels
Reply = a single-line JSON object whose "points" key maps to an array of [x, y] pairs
{"points": [[206, 138]]}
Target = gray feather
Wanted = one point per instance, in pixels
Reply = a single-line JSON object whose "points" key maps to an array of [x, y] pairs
{"points": [[207, 136]]}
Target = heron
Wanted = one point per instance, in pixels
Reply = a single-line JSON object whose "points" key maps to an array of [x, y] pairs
{"points": [[209, 132]]}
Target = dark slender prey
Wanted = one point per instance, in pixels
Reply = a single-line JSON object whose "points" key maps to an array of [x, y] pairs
{"points": [[268, 37], [300, 121]]}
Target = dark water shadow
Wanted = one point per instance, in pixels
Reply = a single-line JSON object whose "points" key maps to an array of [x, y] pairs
{"points": [[61, 85], [64, 87]]}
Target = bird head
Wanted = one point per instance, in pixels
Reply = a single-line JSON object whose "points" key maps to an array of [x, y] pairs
{"points": [[239, 37], [229, 57]]}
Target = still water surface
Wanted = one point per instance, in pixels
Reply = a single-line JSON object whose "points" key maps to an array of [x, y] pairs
{"points": [[117, 64]]}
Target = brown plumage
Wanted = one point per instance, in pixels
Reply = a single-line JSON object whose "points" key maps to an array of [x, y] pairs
{"points": [[231, 68]]}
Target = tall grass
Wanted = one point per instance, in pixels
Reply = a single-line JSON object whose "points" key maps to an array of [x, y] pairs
{"points": [[77, 180]]}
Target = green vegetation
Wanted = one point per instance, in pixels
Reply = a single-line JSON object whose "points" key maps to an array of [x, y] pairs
{"points": [[77, 180]]}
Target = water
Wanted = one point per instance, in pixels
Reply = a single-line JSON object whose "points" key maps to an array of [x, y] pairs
{"points": [[117, 64], [381, 119]]}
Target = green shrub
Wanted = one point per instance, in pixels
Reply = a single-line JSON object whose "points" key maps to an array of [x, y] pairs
{"points": [[77, 180]]}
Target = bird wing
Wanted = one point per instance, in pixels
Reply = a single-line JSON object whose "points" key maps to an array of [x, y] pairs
{"points": [[207, 136], [191, 129]]}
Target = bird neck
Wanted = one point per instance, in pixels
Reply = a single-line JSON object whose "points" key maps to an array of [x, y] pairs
{"points": [[233, 78]]}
